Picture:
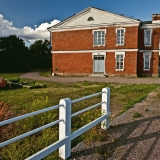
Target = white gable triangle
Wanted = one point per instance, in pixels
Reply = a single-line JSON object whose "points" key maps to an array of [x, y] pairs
{"points": [[94, 17]]}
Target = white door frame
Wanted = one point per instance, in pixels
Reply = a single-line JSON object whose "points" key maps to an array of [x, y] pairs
{"points": [[99, 54]]}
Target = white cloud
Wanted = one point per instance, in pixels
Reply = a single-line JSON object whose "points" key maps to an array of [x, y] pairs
{"points": [[27, 33]]}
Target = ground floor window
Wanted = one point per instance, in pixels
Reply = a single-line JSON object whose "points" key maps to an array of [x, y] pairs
{"points": [[120, 61], [146, 61]]}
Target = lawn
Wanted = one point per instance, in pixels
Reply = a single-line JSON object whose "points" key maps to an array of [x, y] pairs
{"points": [[15, 102]]}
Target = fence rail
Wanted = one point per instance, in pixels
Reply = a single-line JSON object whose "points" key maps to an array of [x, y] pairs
{"points": [[65, 135]]}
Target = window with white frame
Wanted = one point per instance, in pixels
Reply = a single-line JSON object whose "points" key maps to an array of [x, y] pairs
{"points": [[147, 37], [147, 61], [99, 37], [120, 32], [119, 61]]}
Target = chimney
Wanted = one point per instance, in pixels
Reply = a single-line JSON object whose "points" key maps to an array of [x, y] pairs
{"points": [[156, 18]]}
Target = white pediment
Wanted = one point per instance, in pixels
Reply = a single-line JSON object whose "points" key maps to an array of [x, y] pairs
{"points": [[100, 18]]}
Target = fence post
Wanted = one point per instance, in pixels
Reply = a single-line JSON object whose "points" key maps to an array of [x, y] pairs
{"points": [[105, 108], [65, 127]]}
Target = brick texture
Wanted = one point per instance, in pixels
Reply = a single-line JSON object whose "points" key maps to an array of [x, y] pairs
{"points": [[153, 64], [82, 63], [72, 63], [130, 64], [155, 39], [83, 40]]}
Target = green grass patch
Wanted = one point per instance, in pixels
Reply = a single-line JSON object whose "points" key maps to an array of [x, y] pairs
{"points": [[137, 115], [24, 100], [45, 73]]}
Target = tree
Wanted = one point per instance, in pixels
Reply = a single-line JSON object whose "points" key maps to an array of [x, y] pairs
{"points": [[40, 54], [13, 54]]}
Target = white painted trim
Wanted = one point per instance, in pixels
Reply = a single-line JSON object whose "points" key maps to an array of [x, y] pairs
{"points": [[158, 50], [91, 51], [120, 36], [99, 30], [119, 53], [95, 26], [149, 54], [146, 30], [150, 26], [99, 54], [83, 12], [101, 37], [156, 21]]}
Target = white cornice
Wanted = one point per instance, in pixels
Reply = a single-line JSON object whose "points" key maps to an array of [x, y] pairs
{"points": [[86, 27], [154, 50], [95, 51], [149, 26], [69, 24]]}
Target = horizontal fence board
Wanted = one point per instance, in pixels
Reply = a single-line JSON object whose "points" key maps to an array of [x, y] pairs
{"points": [[48, 150]]}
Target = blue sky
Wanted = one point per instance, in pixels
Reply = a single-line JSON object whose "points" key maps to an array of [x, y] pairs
{"points": [[34, 16]]}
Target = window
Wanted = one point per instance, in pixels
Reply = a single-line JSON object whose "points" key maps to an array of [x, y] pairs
{"points": [[147, 37], [146, 63], [120, 61], [99, 37], [90, 19], [120, 36]]}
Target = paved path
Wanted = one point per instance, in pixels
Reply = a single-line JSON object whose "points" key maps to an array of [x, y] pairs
{"points": [[35, 76]]}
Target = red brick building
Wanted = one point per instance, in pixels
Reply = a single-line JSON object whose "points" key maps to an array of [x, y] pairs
{"points": [[96, 42]]}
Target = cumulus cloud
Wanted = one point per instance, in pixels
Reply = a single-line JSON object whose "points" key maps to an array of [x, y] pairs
{"points": [[27, 33]]}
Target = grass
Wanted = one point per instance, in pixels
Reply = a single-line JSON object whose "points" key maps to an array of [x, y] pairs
{"points": [[24, 100], [46, 73], [137, 115]]}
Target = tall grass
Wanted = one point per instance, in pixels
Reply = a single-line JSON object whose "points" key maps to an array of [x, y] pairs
{"points": [[21, 101]]}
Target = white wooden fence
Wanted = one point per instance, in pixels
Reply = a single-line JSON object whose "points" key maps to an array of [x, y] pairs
{"points": [[65, 135]]}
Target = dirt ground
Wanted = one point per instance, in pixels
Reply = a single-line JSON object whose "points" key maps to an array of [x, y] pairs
{"points": [[128, 138], [35, 76]]}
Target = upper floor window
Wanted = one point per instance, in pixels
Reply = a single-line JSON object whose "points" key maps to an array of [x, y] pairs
{"points": [[99, 37], [147, 37], [120, 36]]}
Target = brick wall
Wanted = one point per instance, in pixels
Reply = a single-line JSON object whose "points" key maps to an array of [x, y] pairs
{"points": [[81, 63], [72, 63], [153, 65], [130, 64], [155, 39], [155, 17], [83, 39]]}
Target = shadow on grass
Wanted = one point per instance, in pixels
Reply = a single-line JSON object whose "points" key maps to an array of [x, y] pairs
{"points": [[138, 139]]}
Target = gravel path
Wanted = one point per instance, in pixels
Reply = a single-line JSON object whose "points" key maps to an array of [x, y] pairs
{"points": [[35, 76], [128, 138]]}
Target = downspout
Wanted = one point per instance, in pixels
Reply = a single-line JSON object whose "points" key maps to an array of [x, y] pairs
{"points": [[51, 47]]}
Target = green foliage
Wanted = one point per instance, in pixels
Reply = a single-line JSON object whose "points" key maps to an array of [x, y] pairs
{"points": [[41, 54], [137, 115], [13, 54], [24, 100]]}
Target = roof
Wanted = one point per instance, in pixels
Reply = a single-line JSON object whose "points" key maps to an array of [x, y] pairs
{"points": [[71, 18]]}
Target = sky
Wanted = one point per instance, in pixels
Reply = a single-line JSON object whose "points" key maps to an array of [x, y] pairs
{"points": [[29, 19]]}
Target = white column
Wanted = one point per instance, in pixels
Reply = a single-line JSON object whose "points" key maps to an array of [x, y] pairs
{"points": [[65, 127], [105, 108]]}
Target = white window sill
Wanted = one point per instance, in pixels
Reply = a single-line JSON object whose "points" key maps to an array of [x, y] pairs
{"points": [[146, 69], [119, 69], [99, 46], [147, 45], [119, 44]]}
